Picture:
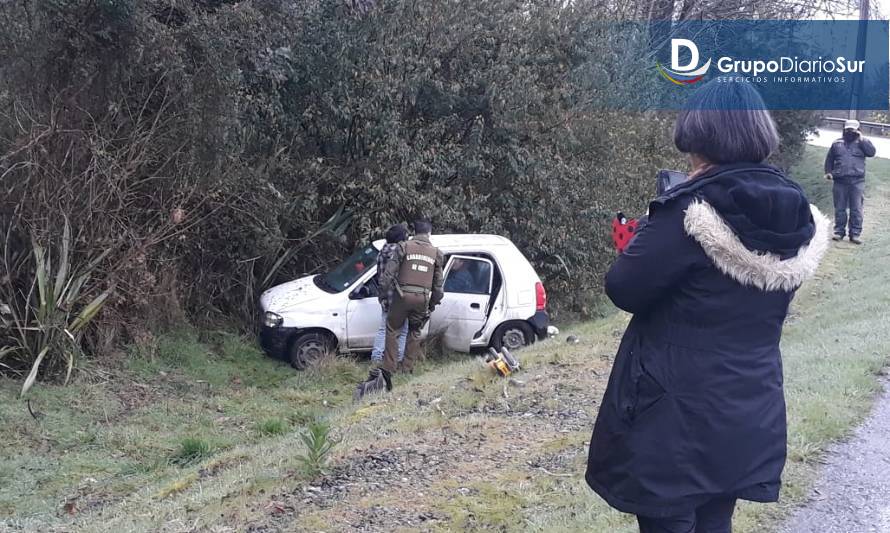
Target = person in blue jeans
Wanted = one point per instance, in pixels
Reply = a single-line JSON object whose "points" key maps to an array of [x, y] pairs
{"points": [[394, 235]]}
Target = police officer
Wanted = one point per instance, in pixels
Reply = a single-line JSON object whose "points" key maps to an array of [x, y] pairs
{"points": [[845, 165], [412, 279]]}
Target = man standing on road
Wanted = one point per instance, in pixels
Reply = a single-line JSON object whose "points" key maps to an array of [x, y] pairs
{"points": [[412, 280], [845, 165]]}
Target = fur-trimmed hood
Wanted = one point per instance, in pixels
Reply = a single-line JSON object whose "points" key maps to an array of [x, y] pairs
{"points": [[704, 334], [754, 223], [762, 269]]}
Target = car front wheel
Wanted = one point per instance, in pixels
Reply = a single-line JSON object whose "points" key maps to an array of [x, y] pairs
{"points": [[309, 348]]}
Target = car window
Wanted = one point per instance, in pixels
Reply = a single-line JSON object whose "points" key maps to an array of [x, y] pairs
{"points": [[370, 289], [345, 274], [467, 275]]}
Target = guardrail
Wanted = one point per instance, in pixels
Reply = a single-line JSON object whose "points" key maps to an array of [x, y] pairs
{"points": [[868, 128]]}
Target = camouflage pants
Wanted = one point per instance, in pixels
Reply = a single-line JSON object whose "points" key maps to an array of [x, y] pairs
{"points": [[413, 307]]}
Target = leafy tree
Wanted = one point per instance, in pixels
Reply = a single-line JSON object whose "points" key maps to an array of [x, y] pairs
{"points": [[202, 151]]}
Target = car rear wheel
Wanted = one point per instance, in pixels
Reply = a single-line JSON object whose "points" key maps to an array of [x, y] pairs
{"points": [[512, 336], [309, 348]]}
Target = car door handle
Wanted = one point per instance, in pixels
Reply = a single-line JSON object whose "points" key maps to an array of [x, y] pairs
{"points": [[475, 306]]}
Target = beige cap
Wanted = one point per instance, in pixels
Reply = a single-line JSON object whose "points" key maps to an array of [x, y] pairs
{"points": [[851, 124]]}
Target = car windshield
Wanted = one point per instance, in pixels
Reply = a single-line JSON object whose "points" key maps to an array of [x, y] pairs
{"points": [[345, 274]]}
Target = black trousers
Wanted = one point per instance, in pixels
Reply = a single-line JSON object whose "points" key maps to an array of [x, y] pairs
{"points": [[712, 517], [849, 194]]}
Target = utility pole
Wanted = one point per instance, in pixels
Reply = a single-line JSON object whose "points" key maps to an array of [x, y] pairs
{"points": [[860, 54]]}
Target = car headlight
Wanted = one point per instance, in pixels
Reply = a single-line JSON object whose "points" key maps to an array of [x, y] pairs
{"points": [[272, 320]]}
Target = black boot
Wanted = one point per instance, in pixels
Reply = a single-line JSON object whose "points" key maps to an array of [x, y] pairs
{"points": [[387, 377], [379, 379]]}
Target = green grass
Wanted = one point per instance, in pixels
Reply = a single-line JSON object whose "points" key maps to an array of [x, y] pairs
{"points": [[810, 170], [232, 361], [271, 427], [205, 430], [153, 421], [192, 449]]}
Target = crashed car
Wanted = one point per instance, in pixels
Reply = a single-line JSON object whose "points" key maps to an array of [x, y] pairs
{"points": [[493, 298]]}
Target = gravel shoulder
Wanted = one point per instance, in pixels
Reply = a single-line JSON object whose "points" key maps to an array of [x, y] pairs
{"points": [[852, 494]]}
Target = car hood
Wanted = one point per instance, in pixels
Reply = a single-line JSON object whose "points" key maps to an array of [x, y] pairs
{"points": [[287, 296]]}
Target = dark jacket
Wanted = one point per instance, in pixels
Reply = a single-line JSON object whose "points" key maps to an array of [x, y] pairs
{"points": [[694, 408], [847, 159], [382, 259], [390, 276]]}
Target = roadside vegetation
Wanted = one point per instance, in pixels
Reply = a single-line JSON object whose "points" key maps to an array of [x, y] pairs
{"points": [[204, 433], [165, 162]]}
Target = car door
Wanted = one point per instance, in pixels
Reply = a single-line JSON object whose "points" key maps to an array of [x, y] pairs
{"points": [[363, 314], [464, 308]]}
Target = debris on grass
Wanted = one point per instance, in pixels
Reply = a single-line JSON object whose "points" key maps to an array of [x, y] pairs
{"points": [[176, 487]]}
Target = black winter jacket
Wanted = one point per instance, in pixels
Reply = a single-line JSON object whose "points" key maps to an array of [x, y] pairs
{"points": [[694, 408], [847, 159]]}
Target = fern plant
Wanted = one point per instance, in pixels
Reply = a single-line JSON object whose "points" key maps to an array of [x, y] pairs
{"points": [[319, 445]]}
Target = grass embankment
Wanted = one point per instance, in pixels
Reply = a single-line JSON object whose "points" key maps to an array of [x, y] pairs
{"points": [[159, 416], [204, 436]]}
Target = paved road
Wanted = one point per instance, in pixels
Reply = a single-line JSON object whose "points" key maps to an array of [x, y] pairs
{"points": [[853, 492]]}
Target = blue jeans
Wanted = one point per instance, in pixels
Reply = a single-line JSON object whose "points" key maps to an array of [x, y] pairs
{"points": [[380, 341]]}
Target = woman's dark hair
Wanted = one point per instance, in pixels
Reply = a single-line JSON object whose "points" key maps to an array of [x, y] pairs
{"points": [[726, 122], [396, 233]]}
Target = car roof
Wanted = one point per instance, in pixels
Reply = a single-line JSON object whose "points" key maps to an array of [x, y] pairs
{"points": [[502, 249], [454, 240]]}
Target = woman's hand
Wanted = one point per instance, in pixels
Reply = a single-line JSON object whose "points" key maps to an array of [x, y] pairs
{"points": [[659, 254]]}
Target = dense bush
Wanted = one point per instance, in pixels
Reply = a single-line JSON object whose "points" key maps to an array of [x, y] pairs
{"points": [[202, 151]]}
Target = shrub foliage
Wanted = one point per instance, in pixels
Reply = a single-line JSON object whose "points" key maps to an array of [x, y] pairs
{"points": [[198, 152]]}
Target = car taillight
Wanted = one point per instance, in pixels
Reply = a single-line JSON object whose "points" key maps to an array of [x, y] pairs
{"points": [[540, 297]]}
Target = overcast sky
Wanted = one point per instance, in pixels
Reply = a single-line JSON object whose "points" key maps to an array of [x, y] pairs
{"points": [[880, 9]]}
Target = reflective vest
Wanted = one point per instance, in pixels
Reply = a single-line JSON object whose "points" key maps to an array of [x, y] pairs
{"points": [[418, 265]]}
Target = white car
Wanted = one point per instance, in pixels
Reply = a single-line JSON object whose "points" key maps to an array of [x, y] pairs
{"points": [[493, 297]]}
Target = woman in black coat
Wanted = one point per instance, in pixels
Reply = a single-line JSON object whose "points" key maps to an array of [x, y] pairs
{"points": [[693, 417]]}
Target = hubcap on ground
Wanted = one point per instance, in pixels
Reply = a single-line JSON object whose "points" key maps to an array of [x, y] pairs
{"points": [[513, 339]]}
